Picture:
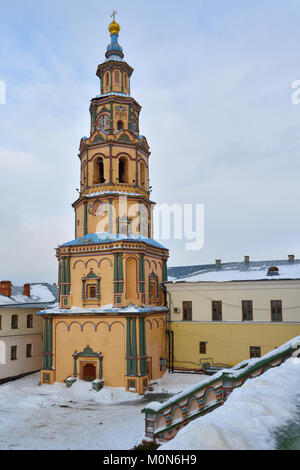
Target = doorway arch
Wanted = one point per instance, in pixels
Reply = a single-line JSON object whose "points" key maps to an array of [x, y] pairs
{"points": [[89, 372]]}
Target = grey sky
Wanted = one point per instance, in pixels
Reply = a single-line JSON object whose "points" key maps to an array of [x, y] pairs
{"points": [[214, 80]]}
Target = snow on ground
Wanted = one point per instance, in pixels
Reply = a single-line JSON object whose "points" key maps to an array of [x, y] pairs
{"points": [[252, 416], [56, 417], [52, 417]]}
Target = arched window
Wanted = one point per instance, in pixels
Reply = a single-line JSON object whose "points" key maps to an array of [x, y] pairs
{"points": [[125, 80], [117, 77], [153, 286], [120, 125], [106, 79], [99, 171], [84, 176], [142, 175], [123, 170]]}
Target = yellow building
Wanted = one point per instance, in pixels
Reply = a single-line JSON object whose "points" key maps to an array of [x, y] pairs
{"points": [[224, 313], [111, 321]]}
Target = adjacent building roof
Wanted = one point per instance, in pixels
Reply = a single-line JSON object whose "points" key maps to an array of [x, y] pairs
{"points": [[42, 295], [238, 271]]}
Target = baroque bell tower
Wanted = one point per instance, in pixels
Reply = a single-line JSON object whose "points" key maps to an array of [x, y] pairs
{"points": [[112, 307]]}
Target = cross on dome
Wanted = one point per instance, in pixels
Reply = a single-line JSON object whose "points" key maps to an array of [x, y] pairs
{"points": [[113, 16]]}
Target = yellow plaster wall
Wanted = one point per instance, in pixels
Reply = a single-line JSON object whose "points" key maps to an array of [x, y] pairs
{"points": [[156, 343], [79, 221], [103, 266], [227, 343], [120, 207], [115, 86], [111, 343], [81, 266]]}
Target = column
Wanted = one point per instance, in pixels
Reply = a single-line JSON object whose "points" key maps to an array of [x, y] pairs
{"points": [[85, 223]]}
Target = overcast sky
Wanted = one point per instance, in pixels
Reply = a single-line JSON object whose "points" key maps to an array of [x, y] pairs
{"points": [[214, 80]]}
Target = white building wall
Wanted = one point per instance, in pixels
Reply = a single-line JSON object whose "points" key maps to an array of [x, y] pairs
{"points": [[231, 294], [20, 337]]}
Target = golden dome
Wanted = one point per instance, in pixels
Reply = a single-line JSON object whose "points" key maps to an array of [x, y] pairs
{"points": [[114, 28]]}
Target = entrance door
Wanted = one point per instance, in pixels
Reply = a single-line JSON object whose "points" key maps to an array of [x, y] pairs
{"points": [[89, 372]]}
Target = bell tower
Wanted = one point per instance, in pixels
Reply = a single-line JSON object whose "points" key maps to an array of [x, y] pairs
{"points": [[115, 157], [113, 267]]}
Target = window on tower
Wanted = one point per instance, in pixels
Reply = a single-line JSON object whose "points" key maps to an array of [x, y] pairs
{"points": [[122, 170], [117, 77], [106, 80], [125, 80], [120, 125], [154, 287], [142, 174], [98, 171], [91, 292]]}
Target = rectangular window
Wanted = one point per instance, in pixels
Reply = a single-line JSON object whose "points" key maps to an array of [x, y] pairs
{"points": [[247, 310], [202, 347], [255, 351], [28, 350], [29, 321], [276, 310], [14, 322], [187, 310], [92, 292], [217, 310], [13, 353]]}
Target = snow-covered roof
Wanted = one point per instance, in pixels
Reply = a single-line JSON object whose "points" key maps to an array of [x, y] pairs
{"points": [[41, 295], [104, 309], [243, 271], [106, 237]]}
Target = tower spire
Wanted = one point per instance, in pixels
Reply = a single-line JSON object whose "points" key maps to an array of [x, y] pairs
{"points": [[114, 50]]}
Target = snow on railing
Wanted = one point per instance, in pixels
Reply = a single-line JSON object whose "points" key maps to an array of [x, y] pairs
{"points": [[163, 420]]}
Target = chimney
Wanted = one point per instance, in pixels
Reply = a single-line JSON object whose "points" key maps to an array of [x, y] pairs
{"points": [[26, 290], [5, 288], [246, 259], [218, 263], [291, 257]]}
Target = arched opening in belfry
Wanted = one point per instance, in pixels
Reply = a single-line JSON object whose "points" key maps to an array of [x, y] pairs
{"points": [[117, 78], [123, 170], [143, 175], [100, 170], [120, 125]]}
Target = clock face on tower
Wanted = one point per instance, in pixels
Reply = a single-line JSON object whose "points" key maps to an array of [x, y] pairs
{"points": [[103, 121]]}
